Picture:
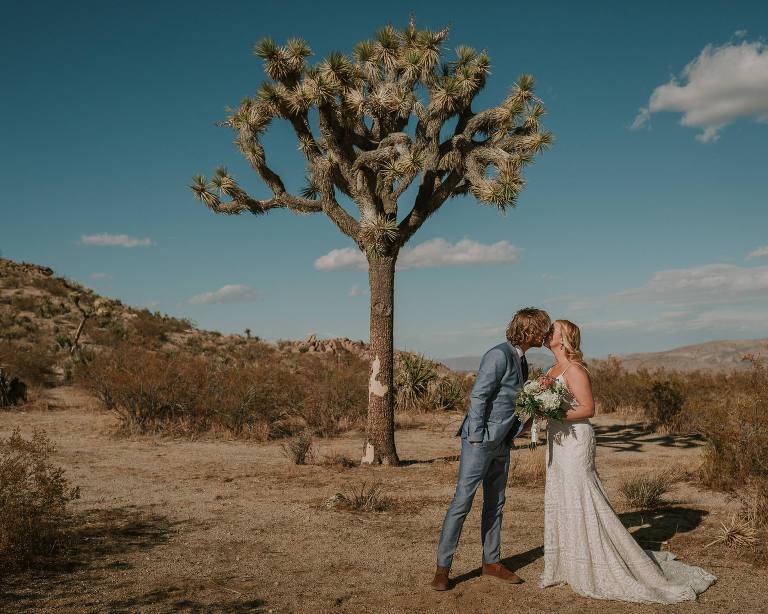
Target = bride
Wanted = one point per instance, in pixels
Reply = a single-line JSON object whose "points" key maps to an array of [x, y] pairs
{"points": [[585, 543]]}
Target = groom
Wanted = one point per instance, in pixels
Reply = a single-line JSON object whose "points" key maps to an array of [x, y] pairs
{"points": [[486, 437]]}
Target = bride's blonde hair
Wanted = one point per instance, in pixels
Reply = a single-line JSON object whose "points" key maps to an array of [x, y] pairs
{"points": [[571, 341]]}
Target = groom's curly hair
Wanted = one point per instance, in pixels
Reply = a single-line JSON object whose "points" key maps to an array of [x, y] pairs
{"points": [[528, 324]]}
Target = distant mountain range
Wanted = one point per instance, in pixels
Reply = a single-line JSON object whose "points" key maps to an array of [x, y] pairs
{"points": [[709, 356]]}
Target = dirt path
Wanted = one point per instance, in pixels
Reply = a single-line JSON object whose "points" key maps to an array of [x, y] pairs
{"points": [[217, 526]]}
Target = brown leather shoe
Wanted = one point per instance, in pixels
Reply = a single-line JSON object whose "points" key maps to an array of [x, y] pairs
{"points": [[441, 582], [498, 571]]}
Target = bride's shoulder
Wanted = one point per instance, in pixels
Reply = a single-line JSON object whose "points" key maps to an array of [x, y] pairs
{"points": [[580, 372]]}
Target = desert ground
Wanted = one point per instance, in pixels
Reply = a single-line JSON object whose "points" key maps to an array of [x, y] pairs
{"points": [[168, 525]]}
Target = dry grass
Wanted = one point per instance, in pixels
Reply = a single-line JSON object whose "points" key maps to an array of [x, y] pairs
{"points": [[404, 421], [646, 491], [338, 461], [247, 520], [527, 468], [363, 498]]}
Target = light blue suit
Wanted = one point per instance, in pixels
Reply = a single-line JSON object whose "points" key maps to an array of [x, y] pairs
{"points": [[486, 436]]}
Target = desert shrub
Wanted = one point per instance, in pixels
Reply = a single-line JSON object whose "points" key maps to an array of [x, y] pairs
{"points": [[420, 387], [33, 364], [105, 331], [730, 413], [299, 449], [663, 401], [659, 395], [52, 285], [178, 393], [34, 495], [25, 302], [157, 327], [447, 393], [646, 491], [614, 387]]}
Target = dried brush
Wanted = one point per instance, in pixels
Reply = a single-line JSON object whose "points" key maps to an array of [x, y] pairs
{"points": [[738, 532]]}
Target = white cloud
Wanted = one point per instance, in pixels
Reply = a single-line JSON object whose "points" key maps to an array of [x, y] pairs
{"points": [[433, 253], [438, 252], [231, 293], [709, 282], [356, 290], [346, 258], [100, 276], [726, 320], [109, 240], [721, 85], [758, 253], [730, 320]]}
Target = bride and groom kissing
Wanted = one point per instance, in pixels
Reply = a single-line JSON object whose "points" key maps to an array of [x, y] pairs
{"points": [[585, 543]]}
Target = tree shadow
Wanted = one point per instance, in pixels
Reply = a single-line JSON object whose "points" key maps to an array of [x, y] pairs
{"points": [[88, 540], [428, 461], [654, 528], [632, 437]]}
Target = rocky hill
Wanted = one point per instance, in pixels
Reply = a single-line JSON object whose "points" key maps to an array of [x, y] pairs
{"points": [[47, 323]]}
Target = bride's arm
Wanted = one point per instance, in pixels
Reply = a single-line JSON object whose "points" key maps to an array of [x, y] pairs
{"points": [[581, 388]]}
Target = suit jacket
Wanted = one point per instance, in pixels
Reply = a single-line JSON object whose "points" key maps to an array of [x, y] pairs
{"points": [[492, 416]]}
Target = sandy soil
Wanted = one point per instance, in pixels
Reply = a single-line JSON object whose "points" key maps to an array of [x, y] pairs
{"points": [[221, 526]]}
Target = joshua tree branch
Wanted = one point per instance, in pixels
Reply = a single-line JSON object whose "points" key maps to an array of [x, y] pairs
{"points": [[424, 209]]}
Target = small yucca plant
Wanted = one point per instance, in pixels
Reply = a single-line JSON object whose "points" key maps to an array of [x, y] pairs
{"points": [[413, 379]]}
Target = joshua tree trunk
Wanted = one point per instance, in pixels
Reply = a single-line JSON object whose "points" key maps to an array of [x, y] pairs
{"points": [[380, 431]]}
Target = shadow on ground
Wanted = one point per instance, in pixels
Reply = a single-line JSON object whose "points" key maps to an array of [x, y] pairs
{"points": [[632, 438], [92, 543], [655, 528]]}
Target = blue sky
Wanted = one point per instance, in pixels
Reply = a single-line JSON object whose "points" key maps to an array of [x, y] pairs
{"points": [[637, 225]]}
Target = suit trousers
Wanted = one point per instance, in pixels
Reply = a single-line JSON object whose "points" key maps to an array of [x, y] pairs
{"points": [[486, 462]]}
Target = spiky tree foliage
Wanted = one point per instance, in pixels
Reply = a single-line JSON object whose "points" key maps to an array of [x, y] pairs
{"points": [[350, 114]]}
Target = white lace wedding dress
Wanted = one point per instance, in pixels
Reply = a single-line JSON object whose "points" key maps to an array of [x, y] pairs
{"points": [[585, 543]]}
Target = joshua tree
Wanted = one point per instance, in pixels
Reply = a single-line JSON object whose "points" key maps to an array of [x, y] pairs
{"points": [[350, 115]]}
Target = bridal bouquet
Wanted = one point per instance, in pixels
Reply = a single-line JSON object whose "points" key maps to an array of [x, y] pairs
{"points": [[542, 398]]}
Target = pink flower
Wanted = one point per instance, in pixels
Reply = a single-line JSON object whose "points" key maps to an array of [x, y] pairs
{"points": [[545, 381]]}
